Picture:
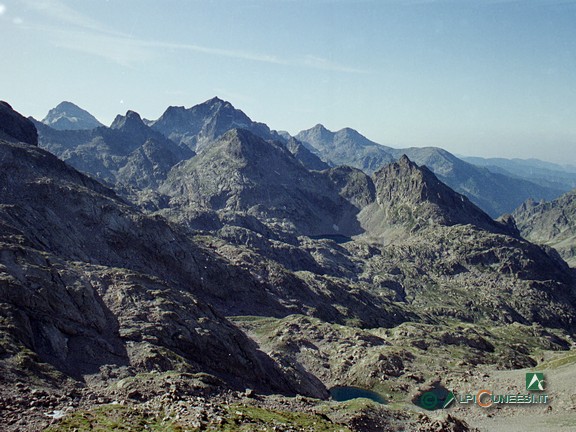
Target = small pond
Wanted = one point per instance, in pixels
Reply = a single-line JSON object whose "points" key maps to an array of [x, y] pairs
{"points": [[344, 393], [434, 398]]}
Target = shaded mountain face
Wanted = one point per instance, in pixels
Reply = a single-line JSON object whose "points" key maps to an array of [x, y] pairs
{"points": [[551, 223], [495, 193], [68, 116], [201, 124], [305, 156], [15, 127], [128, 155], [198, 126], [243, 175]]}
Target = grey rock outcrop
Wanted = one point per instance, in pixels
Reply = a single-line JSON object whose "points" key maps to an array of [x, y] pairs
{"points": [[412, 198], [551, 223]]}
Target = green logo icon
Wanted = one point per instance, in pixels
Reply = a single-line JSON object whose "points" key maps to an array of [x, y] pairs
{"points": [[535, 381], [449, 399]]}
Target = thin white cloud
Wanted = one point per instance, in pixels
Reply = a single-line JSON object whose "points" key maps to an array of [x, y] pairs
{"points": [[59, 11], [325, 64], [83, 34], [2, 9]]}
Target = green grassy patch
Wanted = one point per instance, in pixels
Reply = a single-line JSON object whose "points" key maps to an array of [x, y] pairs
{"points": [[562, 360], [250, 418], [114, 418]]}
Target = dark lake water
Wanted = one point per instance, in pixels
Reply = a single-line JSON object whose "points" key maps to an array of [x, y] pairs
{"points": [[344, 393]]}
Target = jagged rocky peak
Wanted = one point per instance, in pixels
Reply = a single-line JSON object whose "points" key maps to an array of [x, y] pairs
{"points": [[14, 126], [201, 124], [130, 121], [217, 103], [413, 196], [68, 116]]}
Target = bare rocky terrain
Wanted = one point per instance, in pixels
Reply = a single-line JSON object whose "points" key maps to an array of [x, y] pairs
{"points": [[235, 288]]}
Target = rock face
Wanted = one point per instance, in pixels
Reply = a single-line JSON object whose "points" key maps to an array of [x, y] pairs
{"points": [[551, 223], [305, 156], [15, 127], [67, 116], [495, 193]]}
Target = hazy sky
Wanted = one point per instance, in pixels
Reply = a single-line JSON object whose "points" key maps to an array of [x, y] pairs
{"points": [[483, 78]]}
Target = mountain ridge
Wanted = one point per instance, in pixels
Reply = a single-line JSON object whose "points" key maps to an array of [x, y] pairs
{"points": [[496, 193]]}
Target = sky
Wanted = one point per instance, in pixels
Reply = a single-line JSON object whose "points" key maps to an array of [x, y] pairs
{"points": [[491, 78]]}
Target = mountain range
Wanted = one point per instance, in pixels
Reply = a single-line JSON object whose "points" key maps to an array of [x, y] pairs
{"points": [[224, 268], [537, 171], [496, 193]]}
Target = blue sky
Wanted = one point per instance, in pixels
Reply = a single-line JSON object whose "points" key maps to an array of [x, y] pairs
{"points": [[482, 78]]}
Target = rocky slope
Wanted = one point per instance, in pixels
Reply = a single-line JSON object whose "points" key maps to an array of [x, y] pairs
{"points": [[256, 272], [68, 116], [244, 179], [412, 197], [90, 283], [495, 193], [551, 223]]}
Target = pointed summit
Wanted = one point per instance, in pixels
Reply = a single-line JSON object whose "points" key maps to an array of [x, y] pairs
{"points": [[204, 123], [257, 180], [68, 116], [412, 197], [131, 121], [216, 101]]}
